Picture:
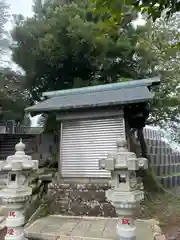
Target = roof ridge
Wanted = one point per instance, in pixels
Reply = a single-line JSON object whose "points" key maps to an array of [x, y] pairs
{"points": [[105, 87], [90, 92]]}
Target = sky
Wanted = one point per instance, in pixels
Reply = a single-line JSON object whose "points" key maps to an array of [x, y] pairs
{"points": [[21, 6]]}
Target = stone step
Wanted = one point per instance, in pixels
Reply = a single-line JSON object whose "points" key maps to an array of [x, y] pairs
{"points": [[12, 144], [87, 228], [11, 149]]}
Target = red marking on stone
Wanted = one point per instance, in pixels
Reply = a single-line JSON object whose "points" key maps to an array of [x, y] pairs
{"points": [[125, 221], [12, 214], [10, 231]]}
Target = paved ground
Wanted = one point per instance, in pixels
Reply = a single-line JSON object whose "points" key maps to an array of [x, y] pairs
{"points": [[80, 228]]}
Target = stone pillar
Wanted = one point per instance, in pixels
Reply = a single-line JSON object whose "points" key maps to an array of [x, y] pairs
{"points": [[126, 190], [18, 168]]}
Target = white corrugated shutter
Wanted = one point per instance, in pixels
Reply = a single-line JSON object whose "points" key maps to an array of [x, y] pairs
{"points": [[84, 142]]}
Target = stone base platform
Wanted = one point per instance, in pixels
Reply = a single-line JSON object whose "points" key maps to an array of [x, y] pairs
{"points": [[57, 227]]}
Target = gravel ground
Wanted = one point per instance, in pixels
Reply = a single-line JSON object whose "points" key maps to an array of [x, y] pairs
{"points": [[172, 233], [166, 209]]}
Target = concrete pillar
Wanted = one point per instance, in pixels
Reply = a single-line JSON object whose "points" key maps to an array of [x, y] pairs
{"points": [[18, 168], [126, 190]]}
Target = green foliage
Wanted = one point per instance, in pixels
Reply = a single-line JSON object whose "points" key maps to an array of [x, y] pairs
{"points": [[60, 47], [13, 98], [117, 9], [159, 54]]}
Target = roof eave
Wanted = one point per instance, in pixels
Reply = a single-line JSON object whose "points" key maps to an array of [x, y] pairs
{"points": [[55, 109]]}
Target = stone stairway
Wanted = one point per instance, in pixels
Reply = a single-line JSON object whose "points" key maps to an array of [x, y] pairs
{"points": [[8, 142], [7, 148]]}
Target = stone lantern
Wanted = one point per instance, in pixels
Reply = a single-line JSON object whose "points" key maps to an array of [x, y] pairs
{"points": [[18, 168], [126, 190]]}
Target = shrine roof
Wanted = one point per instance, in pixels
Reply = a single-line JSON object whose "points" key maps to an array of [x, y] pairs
{"points": [[97, 96]]}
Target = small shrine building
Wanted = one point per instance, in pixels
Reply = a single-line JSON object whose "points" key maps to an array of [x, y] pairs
{"points": [[92, 119]]}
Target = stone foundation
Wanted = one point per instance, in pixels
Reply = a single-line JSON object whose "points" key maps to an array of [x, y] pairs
{"points": [[79, 200]]}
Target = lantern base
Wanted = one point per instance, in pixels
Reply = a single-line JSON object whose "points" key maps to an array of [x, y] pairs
{"points": [[126, 232], [20, 237]]}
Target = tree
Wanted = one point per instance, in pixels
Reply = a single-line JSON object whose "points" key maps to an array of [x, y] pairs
{"points": [[59, 48], [13, 97], [158, 45], [117, 9]]}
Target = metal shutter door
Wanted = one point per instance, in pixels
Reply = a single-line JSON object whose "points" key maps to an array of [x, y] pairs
{"points": [[84, 142]]}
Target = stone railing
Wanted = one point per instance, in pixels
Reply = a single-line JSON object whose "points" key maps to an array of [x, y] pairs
{"points": [[22, 130], [28, 130]]}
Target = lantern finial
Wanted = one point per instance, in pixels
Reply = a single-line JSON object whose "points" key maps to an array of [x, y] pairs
{"points": [[20, 147]]}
